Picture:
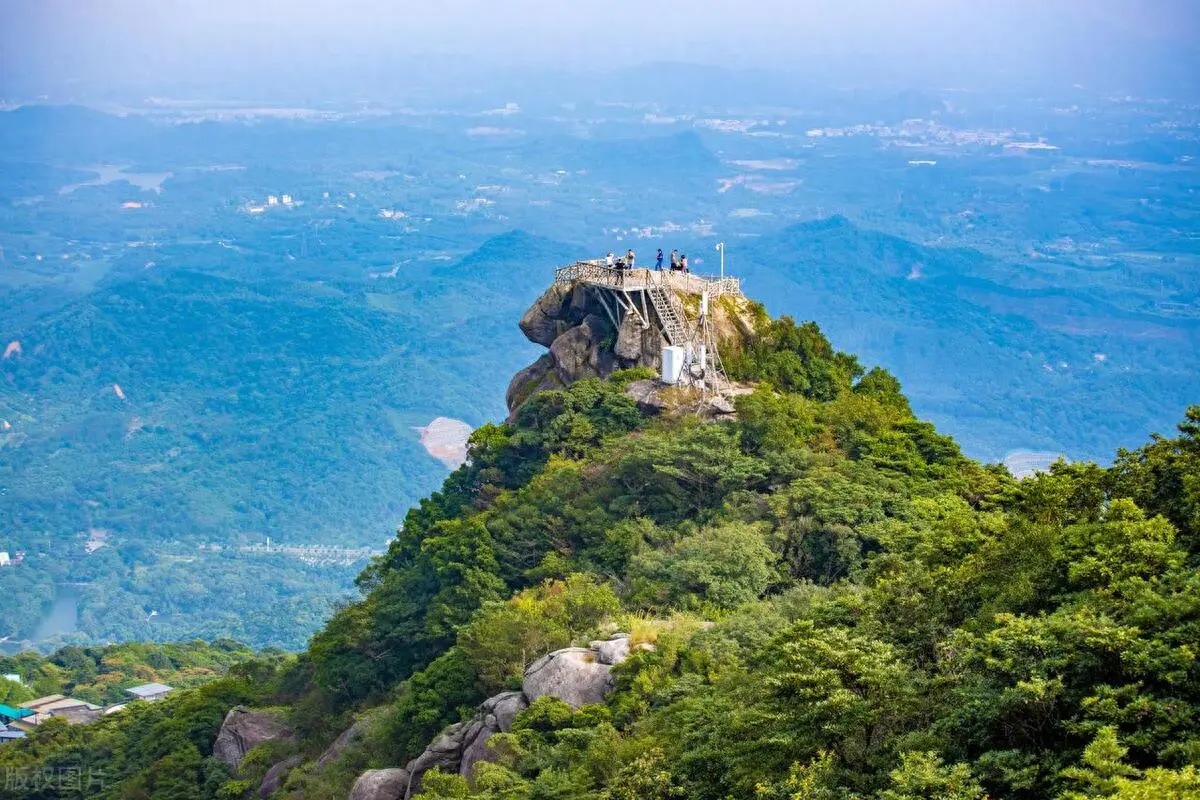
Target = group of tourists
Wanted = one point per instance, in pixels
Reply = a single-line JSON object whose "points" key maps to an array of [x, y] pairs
{"points": [[626, 262]]}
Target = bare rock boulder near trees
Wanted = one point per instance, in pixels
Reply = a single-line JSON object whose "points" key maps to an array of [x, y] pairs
{"points": [[545, 319], [495, 716], [244, 729], [578, 328], [574, 675], [613, 651], [380, 784], [275, 776]]}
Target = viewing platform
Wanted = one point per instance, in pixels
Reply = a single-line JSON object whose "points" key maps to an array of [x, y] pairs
{"points": [[596, 272], [652, 296]]}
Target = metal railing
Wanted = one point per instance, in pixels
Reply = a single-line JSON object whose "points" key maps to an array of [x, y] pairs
{"points": [[597, 271]]}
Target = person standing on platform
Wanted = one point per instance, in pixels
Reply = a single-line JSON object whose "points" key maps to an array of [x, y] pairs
{"points": [[683, 262], [658, 260], [674, 260], [609, 260], [629, 258]]}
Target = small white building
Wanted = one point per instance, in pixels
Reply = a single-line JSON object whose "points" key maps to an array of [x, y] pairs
{"points": [[150, 691], [287, 199], [4, 559], [272, 200]]}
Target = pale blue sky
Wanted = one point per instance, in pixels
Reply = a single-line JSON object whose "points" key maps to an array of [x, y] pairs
{"points": [[111, 42]]}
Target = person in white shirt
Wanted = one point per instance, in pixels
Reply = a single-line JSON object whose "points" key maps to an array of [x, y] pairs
{"points": [[610, 260]]}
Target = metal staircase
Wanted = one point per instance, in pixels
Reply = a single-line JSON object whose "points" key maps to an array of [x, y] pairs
{"points": [[672, 323]]}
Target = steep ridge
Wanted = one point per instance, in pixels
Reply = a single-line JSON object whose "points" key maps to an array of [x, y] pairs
{"points": [[821, 594]]}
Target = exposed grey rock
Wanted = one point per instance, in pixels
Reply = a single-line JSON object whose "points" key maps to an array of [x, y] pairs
{"points": [[578, 353], [645, 394], [570, 353], [531, 380], [380, 784], [543, 322], [576, 326], [576, 675], [495, 715], [645, 345], [613, 651], [581, 301], [244, 729], [721, 404], [573, 675], [629, 339], [445, 753], [505, 706], [344, 740], [275, 775]]}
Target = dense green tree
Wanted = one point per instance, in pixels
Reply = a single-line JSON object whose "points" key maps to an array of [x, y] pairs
{"points": [[723, 567]]}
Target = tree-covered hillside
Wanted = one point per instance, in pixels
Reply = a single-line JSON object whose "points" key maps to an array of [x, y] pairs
{"points": [[100, 675], [838, 604], [280, 408]]}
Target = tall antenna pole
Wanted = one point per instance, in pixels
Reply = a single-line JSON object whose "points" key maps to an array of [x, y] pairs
{"points": [[721, 249]]}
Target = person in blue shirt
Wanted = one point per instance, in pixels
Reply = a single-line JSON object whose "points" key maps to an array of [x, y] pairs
{"points": [[658, 260]]}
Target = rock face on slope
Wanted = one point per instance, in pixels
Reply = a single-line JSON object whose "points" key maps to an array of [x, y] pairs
{"points": [[495, 716], [586, 340], [344, 740], [574, 323], [576, 675], [380, 784], [276, 775], [613, 650], [244, 729]]}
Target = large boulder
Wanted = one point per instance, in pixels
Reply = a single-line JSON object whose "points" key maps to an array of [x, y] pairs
{"points": [[275, 775], [344, 740], [629, 339], [646, 395], [445, 753], [244, 729], [638, 345], [495, 715], [544, 320], [612, 651], [721, 405], [579, 353], [574, 675], [505, 706], [380, 784], [537, 377]]}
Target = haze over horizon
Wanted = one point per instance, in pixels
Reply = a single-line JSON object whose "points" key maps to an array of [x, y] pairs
{"points": [[314, 49]]}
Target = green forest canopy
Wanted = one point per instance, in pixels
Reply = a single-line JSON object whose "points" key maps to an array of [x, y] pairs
{"points": [[842, 605]]}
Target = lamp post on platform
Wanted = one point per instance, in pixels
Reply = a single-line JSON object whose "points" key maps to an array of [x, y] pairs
{"points": [[721, 250]]}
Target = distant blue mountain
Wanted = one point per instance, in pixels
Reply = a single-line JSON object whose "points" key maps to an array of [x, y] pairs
{"points": [[966, 348], [29, 132]]}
